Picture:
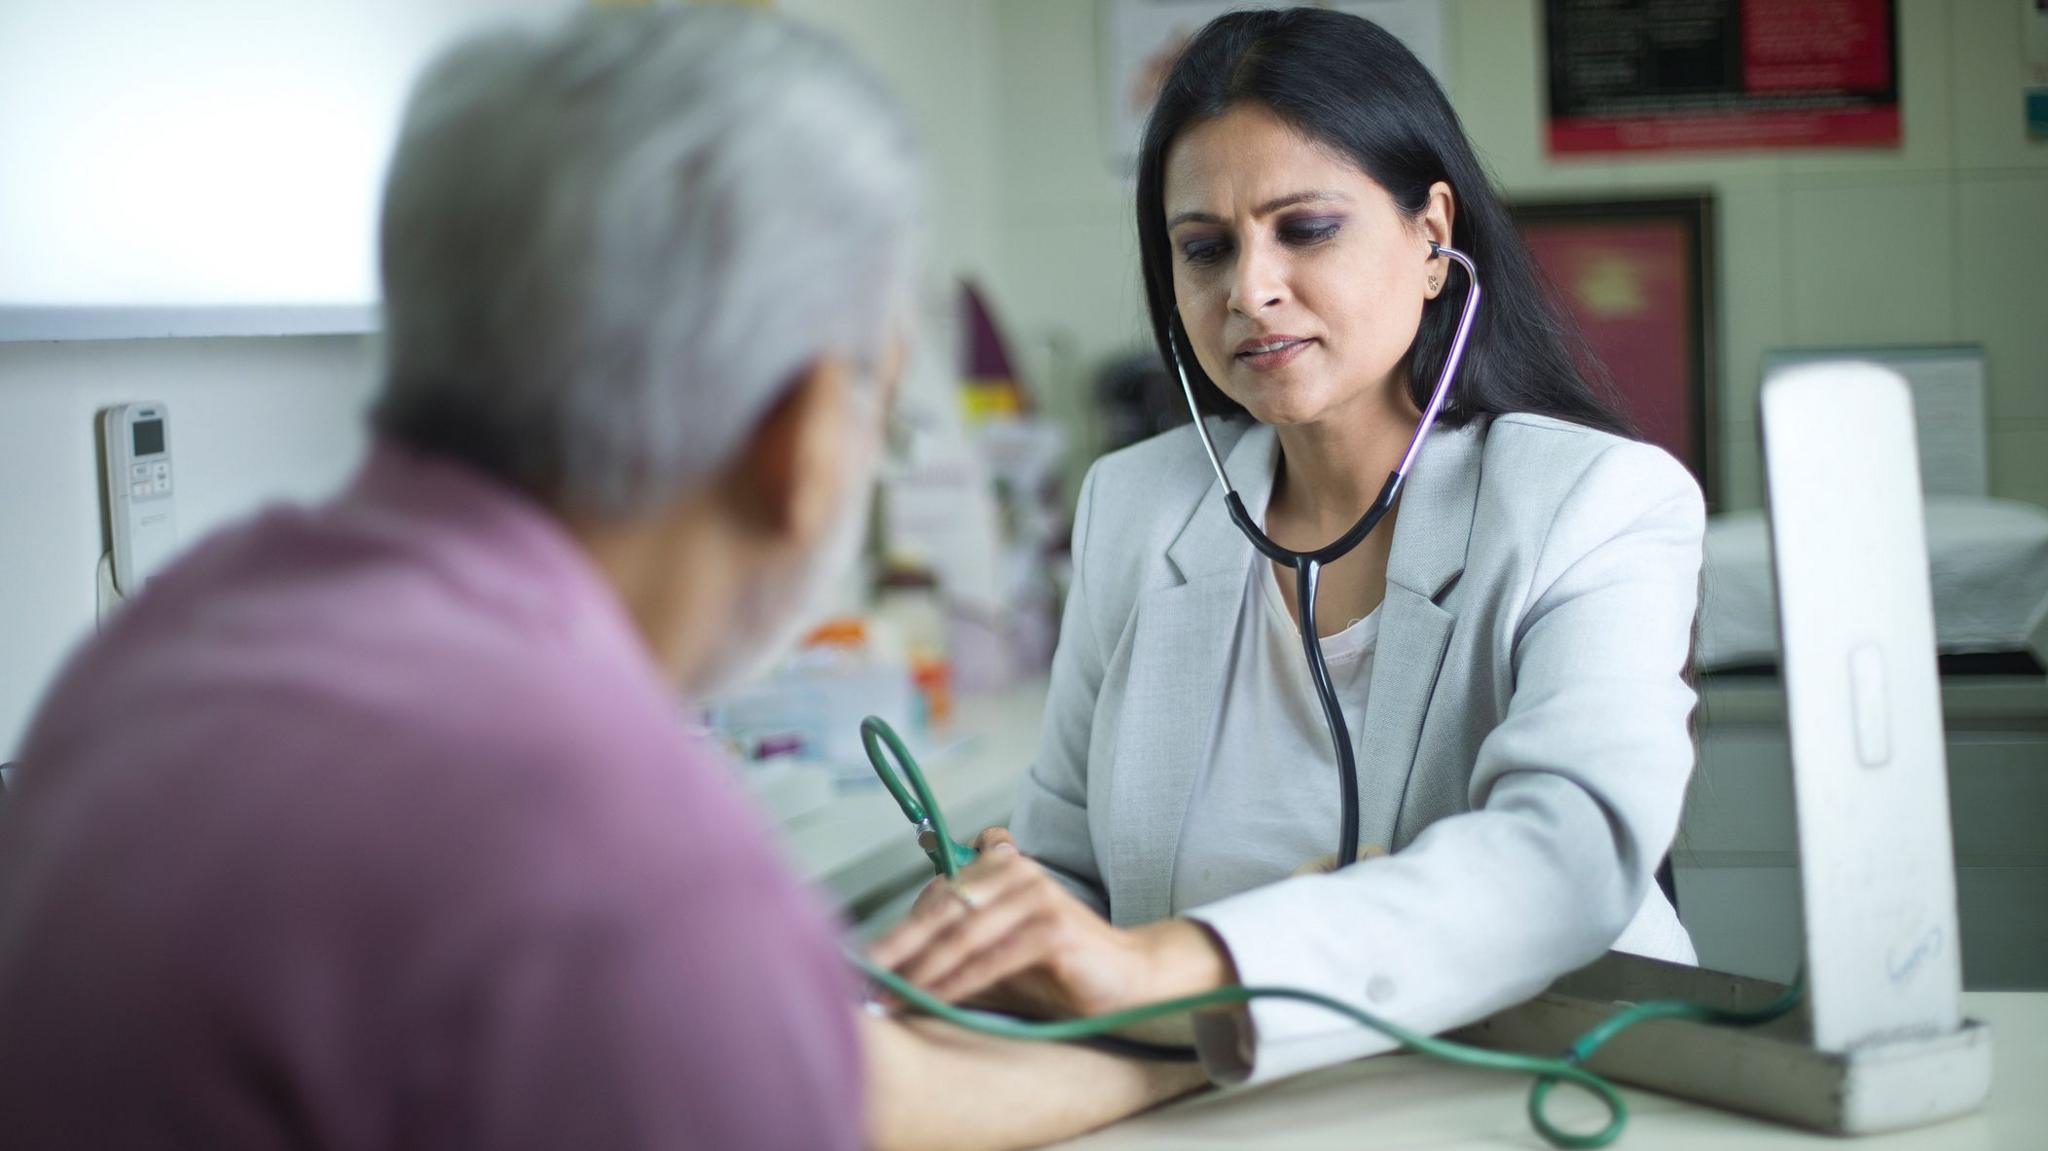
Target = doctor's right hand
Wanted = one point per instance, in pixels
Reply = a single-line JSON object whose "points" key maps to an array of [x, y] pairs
{"points": [[938, 895], [1006, 926]]}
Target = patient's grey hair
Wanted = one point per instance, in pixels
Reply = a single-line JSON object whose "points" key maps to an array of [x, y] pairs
{"points": [[609, 248]]}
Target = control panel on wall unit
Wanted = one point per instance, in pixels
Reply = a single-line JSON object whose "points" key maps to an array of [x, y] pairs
{"points": [[141, 491]]}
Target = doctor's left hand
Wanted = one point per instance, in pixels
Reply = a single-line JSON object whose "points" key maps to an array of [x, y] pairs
{"points": [[1009, 927]]}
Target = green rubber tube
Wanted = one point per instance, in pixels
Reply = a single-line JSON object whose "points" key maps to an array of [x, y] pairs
{"points": [[922, 807]]}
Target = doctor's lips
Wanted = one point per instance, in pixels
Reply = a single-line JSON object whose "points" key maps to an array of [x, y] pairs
{"points": [[1265, 353]]}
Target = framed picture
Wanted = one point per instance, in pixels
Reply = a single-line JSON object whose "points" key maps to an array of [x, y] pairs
{"points": [[1637, 277], [1650, 77]]}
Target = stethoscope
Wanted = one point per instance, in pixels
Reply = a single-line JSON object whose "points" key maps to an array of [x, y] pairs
{"points": [[905, 780], [1308, 565], [900, 773]]}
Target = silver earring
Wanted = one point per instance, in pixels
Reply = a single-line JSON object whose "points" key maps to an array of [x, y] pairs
{"points": [[1433, 282]]}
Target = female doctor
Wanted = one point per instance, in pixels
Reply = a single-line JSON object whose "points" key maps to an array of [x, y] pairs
{"points": [[1508, 645]]}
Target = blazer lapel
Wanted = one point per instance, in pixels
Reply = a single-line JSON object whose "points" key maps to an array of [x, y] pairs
{"points": [[1431, 535], [1182, 635], [1181, 641]]}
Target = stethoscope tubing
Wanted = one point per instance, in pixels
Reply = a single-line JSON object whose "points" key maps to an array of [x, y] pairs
{"points": [[906, 781], [913, 794], [1308, 565]]}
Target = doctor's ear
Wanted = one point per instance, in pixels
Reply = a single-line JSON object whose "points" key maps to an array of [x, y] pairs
{"points": [[785, 482], [1434, 223], [1439, 213]]}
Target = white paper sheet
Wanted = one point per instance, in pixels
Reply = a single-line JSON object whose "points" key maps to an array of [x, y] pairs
{"points": [[1948, 409]]}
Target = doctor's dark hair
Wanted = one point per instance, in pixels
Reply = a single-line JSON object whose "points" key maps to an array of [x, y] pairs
{"points": [[1346, 83]]}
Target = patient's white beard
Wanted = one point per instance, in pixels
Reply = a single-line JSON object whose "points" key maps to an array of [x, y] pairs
{"points": [[776, 611]]}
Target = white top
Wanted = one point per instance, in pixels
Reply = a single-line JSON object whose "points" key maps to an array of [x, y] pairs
{"points": [[1266, 803]]}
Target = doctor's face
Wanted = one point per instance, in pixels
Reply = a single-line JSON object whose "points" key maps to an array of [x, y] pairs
{"points": [[1299, 281]]}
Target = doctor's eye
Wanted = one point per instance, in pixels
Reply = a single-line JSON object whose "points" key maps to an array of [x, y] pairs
{"points": [[1203, 252], [1304, 232]]}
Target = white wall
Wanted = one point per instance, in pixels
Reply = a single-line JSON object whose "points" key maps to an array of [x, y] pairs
{"points": [[207, 151], [251, 419], [940, 56], [1944, 239], [263, 419]]}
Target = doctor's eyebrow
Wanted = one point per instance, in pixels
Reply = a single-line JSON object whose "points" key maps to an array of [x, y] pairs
{"points": [[1265, 209]]}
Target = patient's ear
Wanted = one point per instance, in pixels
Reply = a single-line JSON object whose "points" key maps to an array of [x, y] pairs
{"points": [[787, 481]]}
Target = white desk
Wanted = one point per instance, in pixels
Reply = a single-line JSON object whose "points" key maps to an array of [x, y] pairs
{"points": [[859, 848], [1406, 1101]]}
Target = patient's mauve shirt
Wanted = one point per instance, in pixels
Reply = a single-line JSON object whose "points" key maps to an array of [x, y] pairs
{"points": [[376, 826]]}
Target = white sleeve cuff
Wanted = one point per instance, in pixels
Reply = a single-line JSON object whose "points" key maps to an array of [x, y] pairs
{"points": [[1270, 1038]]}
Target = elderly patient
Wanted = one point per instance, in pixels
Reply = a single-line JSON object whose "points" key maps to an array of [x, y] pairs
{"points": [[377, 824]]}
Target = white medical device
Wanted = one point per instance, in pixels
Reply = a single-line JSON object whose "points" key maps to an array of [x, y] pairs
{"points": [[141, 491], [1880, 1042]]}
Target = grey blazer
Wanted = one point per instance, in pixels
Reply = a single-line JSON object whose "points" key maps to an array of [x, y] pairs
{"points": [[1525, 750]]}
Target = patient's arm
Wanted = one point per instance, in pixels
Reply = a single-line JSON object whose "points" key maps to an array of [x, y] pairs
{"points": [[933, 1085]]}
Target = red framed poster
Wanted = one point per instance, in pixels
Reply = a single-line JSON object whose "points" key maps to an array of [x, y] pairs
{"points": [[1634, 275], [1706, 75]]}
